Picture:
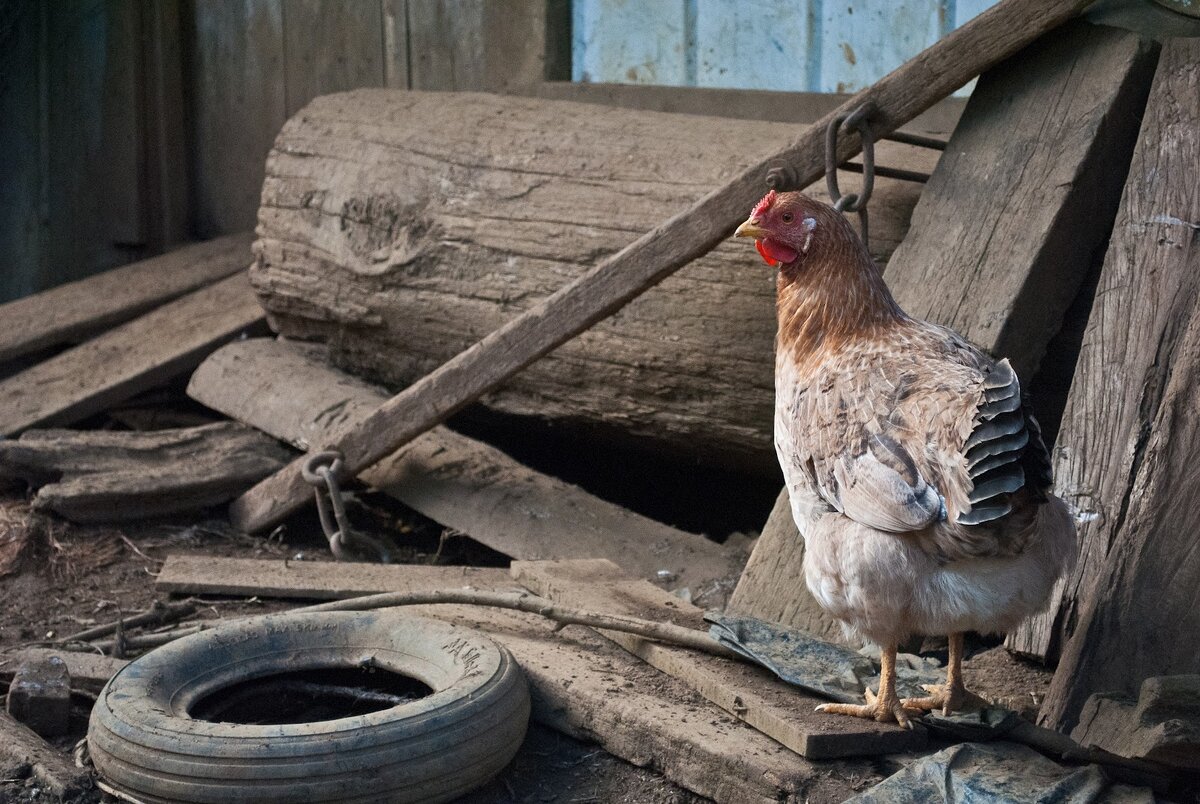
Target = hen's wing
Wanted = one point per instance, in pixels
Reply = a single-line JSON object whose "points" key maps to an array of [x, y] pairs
{"points": [[904, 437]]}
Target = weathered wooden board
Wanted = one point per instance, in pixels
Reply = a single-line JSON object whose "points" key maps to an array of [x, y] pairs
{"points": [[23, 752], [750, 693], [71, 312], [120, 476], [129, 359], [292, 394], [346, 53], [317, 580], [1125, 458], [398, 269], [477, 44], [1004, 233], [88, 671], [654, 256]]}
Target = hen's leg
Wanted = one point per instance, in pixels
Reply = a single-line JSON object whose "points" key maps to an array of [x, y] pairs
{"points": [[884, 707], [953, 696]]}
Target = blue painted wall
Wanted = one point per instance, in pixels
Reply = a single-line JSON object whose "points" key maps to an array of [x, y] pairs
{"points": [[796, 45]]}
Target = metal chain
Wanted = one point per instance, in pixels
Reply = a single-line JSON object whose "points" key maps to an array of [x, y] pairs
{"points": [[321, 470], [785, 178]]}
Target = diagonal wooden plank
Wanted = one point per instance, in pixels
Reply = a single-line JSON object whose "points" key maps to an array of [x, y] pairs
{"points": [[1003, 236], [1126, 453], [76, 310], [899, 96], [129, 359], [750, 693], [457, 481]]}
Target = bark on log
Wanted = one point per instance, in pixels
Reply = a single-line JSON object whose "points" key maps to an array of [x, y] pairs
{"points": [[401, 227], [1126, 452]]}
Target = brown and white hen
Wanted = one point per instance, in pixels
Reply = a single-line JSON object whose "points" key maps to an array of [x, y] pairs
{"points": [[916, 472]]}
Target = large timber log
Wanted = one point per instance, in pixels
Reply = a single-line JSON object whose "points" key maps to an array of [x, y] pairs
{"points": [[401, 227]]}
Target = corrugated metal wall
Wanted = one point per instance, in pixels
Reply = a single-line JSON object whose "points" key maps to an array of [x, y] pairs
{"points": [[793, 45]]}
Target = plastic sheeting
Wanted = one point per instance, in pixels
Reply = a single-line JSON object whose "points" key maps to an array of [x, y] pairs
{"points": [[998, 773]]}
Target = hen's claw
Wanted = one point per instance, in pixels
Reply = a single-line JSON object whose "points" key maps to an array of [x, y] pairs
{"points": [[947, 697], [884, 710]]}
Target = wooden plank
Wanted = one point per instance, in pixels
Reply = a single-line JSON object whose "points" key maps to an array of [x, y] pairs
{"points": [[23, 752], [348, 52], [88, 671], [395, 43], [73, 311], [476, 44], [457, 481], [1004, 231], [132, 358], [239, 102], [121, 476], [165, 150], [1125, 457], [750, 693], [316, 580], [900, 96]]}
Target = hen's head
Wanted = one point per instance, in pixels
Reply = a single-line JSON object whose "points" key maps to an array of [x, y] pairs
{"points": [[787, 227]]}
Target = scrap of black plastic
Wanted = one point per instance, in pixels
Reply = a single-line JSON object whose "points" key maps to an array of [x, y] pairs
{"points": [[998, 773], [821, 667]]}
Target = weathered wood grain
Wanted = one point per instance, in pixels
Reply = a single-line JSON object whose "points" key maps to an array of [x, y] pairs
{"points": [[397, 268], [76, 310], [654, 256], [1002, 237], [1125, 458], [750, 693], [460, 482], [122, 362], [330, 47], [315, 580], [121, 476], [22, 753], [88, 671]]}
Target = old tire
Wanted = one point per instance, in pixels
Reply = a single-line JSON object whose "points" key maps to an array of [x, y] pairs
{"points": [[147, 747]]}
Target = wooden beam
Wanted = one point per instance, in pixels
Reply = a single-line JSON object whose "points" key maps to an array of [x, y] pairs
{"points": [[71, 312], [1003, 236], [750, 693], [314, 580], [292, 394], [127, 360], [899, 96], [1125, 457], [22, 751], [121, 476], [88, 671]]}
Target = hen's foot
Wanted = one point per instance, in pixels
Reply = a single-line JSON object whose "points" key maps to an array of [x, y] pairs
{"points": [[888, 709], [947, 697]]}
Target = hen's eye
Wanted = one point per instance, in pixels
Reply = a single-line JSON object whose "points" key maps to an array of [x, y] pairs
{"points": [[787, 217]]}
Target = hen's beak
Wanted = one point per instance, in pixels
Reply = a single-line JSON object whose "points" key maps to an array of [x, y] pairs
{"points": [[751, 229]]}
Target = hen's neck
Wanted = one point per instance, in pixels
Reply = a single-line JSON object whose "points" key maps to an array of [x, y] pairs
{"points": [[829, 302]]}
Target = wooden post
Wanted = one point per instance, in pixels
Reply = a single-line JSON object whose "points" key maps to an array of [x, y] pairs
{"points": [[1003, 235], [899, 96], [1126, 453]]}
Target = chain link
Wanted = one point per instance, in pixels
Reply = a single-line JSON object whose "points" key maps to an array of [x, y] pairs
{"points": [[321, 470]]}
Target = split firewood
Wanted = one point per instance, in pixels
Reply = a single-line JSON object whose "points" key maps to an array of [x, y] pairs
{"points": [[114, 476]]}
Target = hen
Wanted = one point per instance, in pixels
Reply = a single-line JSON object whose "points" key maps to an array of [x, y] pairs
{"points": [[915, 469]]}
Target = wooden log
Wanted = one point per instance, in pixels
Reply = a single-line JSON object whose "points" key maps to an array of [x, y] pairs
{"points": [[581, 684], [399, 270], [691, 233], [750, 693], [314, 580], [1003, 235], [1125, 458], [127, 360], [72, 312], [460, 482], [119, 476]]}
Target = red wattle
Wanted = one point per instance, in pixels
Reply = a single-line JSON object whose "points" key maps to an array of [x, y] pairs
{"points": [[775, 252]]}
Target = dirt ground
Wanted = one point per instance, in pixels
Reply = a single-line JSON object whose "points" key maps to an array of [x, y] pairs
{"points": [[57, 579]]}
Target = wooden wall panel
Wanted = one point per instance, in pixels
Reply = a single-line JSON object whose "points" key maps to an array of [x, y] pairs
{"points": [[330, 47]]}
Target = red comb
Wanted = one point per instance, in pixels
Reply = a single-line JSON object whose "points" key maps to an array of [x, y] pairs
{"points": [[764, 205]]}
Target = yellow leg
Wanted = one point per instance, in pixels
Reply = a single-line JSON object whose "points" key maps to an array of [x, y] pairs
{"points": [[884, 707], [953, 696]]}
